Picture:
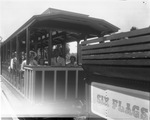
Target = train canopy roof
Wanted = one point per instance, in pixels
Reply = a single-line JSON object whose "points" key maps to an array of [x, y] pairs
{"points": [[65, 20]]}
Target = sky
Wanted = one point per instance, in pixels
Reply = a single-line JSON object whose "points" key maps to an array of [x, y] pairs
{"points": [[121, 13]]}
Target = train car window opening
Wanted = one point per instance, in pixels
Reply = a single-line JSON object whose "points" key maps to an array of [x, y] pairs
{"points": [[71, 50]]}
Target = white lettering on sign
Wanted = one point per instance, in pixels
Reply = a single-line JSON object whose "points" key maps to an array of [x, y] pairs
{"points": [[118, 106]]}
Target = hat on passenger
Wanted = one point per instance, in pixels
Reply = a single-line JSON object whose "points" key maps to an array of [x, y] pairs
{"points": [[33, 53]]}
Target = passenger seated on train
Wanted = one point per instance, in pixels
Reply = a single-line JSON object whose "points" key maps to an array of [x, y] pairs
{"points": [[13, 62], [24, 63], [57, 60], [72, 62], [32, 60]]}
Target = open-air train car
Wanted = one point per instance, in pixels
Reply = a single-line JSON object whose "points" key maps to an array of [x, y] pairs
{"points": [[117, 71], [60, 87]]}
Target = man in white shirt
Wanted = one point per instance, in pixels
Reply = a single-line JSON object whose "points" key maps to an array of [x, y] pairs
{"points": [[13, 62], [57, 60]]}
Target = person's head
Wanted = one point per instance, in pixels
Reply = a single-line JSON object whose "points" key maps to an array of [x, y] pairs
{"points": [[32, 54], [72, 59]]}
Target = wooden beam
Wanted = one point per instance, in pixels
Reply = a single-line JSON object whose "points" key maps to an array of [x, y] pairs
{"points": [[3, 53], [133, 62], [6, 52], [119, 49], [27, 44], [10, 49], [64, 46], [17, 49], [50, 47], [78, 52]]}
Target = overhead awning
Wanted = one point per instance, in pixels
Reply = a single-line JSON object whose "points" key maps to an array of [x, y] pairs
{"points": [[69, 21]]}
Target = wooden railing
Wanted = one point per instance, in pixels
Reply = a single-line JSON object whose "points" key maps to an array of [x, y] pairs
{"points": [[124, 55], [47, 84]]}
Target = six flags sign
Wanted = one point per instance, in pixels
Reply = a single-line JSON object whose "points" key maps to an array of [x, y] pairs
{"points": [[118, 106]]}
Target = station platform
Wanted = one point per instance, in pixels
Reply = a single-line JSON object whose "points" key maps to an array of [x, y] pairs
{"points": [[7, 112]]}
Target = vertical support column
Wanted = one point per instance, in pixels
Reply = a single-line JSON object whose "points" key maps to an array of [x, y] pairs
{"points": [[43, 84], [6, 53], [9, 53], [5, 60], [10, 60], [3, 53], [78, 52], [27, 44], [76, 87], [41, 42], [55, 83], [18, 61], [66, 84], [33, 86], [10, 49], [50, 47], [0, 56], [64, 47], [17, 49], [35, 41]]}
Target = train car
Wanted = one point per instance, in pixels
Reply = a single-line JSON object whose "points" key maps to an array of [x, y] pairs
{"points": [[55, 90], [117, 76]]}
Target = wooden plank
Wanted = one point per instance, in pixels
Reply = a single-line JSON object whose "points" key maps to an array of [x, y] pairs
{"points": [[93, 41], [139, 74], [132, 48], [27, 44], [118, 56], [134, 33], [141, 62], [137, 40], [50, 47]]}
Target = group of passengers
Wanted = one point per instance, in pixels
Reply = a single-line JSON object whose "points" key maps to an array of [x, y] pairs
{"points": [[56, 60]]}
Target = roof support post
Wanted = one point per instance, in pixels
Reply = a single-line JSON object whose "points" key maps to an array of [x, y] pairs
{"points": [[50, 46], [6, 52], [17, 49], [64, 47], [3, 53], [27, 44], [78, 52], [10, 49]]}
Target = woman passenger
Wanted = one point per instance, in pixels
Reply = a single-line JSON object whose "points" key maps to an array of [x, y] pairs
{"points": [[72, 62], [57, 60], [32, 60]]}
